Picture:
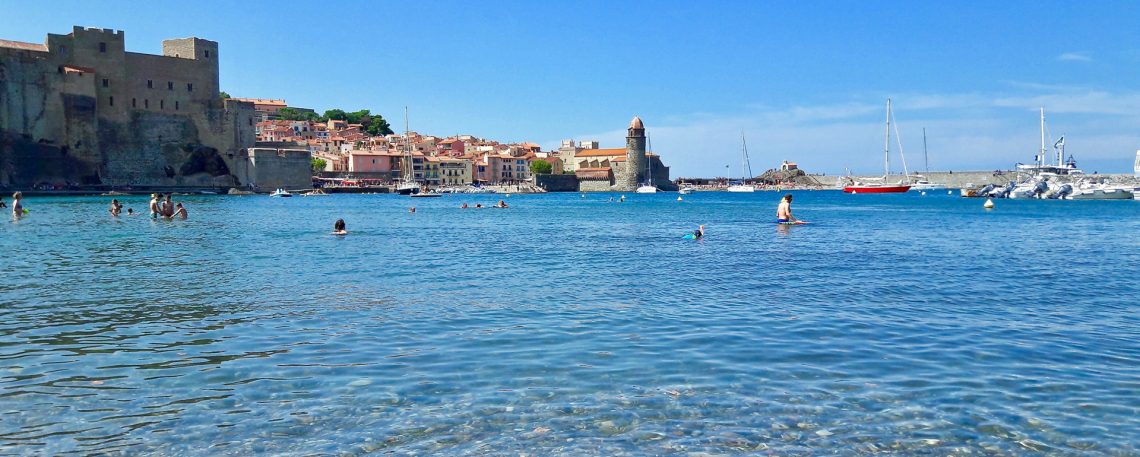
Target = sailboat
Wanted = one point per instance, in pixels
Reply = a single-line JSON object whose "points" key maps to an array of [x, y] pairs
{"points": [[648, 187], [408, 184], [746, 168], [880, 185], [922, 183]]}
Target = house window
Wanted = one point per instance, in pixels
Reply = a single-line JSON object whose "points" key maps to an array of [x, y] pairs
{"points": [[170, 85], [111, 101], [102, 47], [106, 82], [149, 84], [189, 87]]}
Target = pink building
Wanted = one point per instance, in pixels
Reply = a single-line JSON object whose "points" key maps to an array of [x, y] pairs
{"points": [[373, 162]]}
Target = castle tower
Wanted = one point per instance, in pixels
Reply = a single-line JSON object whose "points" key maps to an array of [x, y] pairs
{"points": [[634, 155]]}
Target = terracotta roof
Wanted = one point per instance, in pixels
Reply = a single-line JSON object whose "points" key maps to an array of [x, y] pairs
{"points": [[600, 152], [593, 173], [262, 101], [636, 123], [77, 69], [23, 45]]}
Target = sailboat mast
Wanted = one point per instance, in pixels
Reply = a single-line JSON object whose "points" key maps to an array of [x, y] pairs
{"points": [[648, 159], [1041, 157], [925, 156], [743, 159], [887, 143], [407, 150]]}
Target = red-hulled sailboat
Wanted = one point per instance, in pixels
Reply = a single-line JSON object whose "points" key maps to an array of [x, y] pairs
{"points": [[880, 185]]}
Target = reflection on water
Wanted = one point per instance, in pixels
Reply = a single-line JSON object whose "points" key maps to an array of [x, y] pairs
{"points": [[572, 326]]}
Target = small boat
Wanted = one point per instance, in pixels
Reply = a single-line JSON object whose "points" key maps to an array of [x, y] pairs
{"points": [[426, 195], [1102, 192], [880, 185], [280, 193], [686, 190], [741, 187], [315, 193]]}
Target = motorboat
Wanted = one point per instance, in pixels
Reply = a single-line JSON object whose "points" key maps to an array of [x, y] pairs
{"points": [[741, 187], [426, 194], [1102, 192], [647, 189], [280, 193], [685, 190]]}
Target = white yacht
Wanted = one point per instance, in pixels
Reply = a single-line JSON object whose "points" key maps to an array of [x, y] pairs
{"points": [[648, 187], [280, 193]]}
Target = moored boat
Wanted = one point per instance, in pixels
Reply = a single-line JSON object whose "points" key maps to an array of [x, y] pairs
{"points": [[880, 185], [280, 193]]}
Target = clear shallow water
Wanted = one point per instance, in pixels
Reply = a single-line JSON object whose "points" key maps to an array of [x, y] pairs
{"points": [[572, 326]]}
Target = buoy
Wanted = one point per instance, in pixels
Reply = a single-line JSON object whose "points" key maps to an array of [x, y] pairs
{"points": [[680, 199], [508, 195], [989, 204], [854, 192], [949, 192], [923, 192]]}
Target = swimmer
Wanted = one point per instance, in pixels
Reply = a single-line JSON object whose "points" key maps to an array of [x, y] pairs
{"points": [[180, 211], [501, 204], [699, 232], [2, 205], [131, 212], [622, 199], [464, 206], [412, 209], [478, 205], [784, 210], [338, 228], [116, 207]]}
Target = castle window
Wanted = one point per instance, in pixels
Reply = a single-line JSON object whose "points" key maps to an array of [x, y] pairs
{"points": [[146, 103], [251, 121], [62, 49], [106, 82], [207, 54], [162, 104], [170, 85], [102, 47], [111, 101], [134, 103], [189, 87], [149, 84], [175, 105]]}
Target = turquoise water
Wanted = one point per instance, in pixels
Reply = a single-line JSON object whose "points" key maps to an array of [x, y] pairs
{"points": [[564, 325]]}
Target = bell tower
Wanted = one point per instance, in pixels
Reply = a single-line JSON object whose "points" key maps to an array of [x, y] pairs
{"points": [[634, 155]]}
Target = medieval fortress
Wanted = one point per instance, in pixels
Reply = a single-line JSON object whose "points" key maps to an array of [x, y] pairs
{"points": [[81, 110]]}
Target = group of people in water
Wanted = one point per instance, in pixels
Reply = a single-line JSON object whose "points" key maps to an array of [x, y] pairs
{"points": [[500, 204], [160, 206]]}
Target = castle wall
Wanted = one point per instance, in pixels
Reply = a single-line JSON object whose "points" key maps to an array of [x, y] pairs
{"points": [[81, 109], [270, 168], [595, 185]]}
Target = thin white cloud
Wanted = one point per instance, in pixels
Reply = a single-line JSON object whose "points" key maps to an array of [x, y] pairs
{"points": [[1074, 57]]}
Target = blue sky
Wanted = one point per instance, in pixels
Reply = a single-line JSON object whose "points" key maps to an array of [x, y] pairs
{"points": [[804, 81]]}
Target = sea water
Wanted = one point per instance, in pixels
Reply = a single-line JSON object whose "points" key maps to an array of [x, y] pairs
{"points": [[570, 324]]}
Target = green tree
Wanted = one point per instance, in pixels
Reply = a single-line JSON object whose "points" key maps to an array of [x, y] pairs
{"points": [[541, 167], [378, 126], [224, 95], [318, 164], [292, 114], [337, 114]]}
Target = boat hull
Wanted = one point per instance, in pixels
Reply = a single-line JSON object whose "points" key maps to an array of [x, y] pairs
{"points": [[741, 189], [1103, 194], [647, 190], [875, 189]]}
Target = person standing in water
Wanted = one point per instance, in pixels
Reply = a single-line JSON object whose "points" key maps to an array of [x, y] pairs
{"points": [[116, 207], [180, 211], [154, 205], [338, 227], [167, 207], [784, 211], [17, 205]]}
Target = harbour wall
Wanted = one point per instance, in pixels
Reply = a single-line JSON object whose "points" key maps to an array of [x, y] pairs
{"points": [[961, 179]]}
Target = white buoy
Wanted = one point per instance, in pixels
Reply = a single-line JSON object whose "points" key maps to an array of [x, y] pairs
{"points": [[949, 192], [508, 195], [923, 192], [989, 204], [680, 199]]}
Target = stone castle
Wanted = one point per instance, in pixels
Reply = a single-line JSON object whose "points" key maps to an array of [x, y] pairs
{"points": [[80, 110]]}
